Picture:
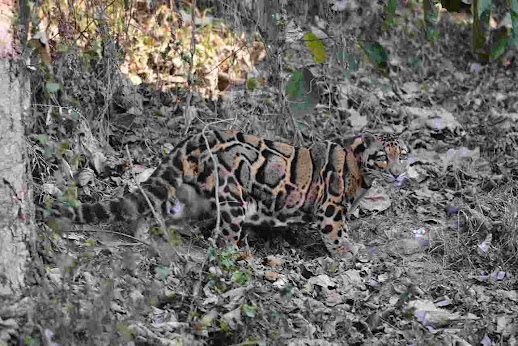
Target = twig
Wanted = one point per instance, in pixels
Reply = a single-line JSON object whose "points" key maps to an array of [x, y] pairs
{"points": [[298, 139], [117, 233], [218, 210], [216, 176], [155, 214]]}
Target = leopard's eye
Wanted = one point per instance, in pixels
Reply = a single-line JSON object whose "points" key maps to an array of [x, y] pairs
{"points": [[380, 157]]}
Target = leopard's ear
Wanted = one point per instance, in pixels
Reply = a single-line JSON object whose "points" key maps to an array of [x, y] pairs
{"points": [[368, 139], [358, 143], [366, 144]]}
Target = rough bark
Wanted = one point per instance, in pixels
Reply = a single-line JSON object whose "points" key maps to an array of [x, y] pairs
{"points": [[15, 193]]}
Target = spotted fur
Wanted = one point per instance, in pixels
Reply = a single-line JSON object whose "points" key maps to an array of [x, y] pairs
{"points": [[262, 183]]}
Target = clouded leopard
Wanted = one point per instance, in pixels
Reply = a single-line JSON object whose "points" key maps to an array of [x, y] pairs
{"points": [[260, 182]]}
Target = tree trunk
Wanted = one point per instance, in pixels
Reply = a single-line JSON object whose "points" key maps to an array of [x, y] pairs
{"points": [[16, 205]]}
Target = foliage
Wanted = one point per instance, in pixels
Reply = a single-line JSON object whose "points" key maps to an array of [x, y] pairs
{"points": [[316, 47]]}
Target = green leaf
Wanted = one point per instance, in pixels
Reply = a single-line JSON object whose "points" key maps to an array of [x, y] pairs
{"points": [[240, 278], [210, 253], [252, 84], [414, 61], [404, 296], [163, 271], [514, 20], [353, 64], [301, 91], [342, 56], [76, 159], [295, 87], [498, 49], [174, 238], [288, 291], [391, 7], [52, 224], [484, 6], [155, 230], [62, 147], [125, 331], [376, 53], [226, 262], [316, 47], [47, 201], [249, 310], [96, 48], [223, 324], [73, 113], [51, 87], [27, 340]]}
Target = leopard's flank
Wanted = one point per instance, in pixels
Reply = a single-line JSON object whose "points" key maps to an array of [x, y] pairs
{"points": [[262, 183]]}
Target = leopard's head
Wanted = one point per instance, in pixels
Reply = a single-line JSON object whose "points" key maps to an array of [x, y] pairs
{"points": [[383, 157]]}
